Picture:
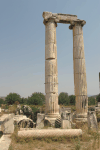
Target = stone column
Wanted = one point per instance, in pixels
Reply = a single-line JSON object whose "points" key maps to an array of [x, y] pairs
{"points": [[51, 73], [80, 84]]}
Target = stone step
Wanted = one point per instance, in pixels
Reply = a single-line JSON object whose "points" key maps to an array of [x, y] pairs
{"points": [[5, 142]]}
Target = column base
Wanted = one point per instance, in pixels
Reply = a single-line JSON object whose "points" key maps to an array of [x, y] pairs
{"points": [[51, 115], [52, 118], [81, 117]]}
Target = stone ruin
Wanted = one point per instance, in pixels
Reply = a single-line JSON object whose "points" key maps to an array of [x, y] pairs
{"points": [[54, 116], [20, 117], [92, 120], [51, 73]]}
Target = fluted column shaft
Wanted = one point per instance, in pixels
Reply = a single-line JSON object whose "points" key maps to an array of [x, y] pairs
{"points": [[80, 84], [51, 74]]}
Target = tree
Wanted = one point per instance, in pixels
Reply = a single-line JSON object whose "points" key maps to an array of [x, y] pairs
{"points": [[36, 99], [91, 101], [98, 98], [23, 100], [12, 98], [63, 98], [1, 101], [72, 99]]}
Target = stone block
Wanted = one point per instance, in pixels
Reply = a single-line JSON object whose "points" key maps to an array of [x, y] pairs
{"points": [[92, 120], [49, 32], [7, 123], [51, 79], [40, 121], [65, 124], [50, 67], [50, 51], [51, 87], [78, 41]]}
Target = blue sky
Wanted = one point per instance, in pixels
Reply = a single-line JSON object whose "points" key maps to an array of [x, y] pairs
{"points": [[22, 45]]}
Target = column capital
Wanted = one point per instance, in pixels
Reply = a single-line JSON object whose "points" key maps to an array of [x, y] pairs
{"points": [[77, 22], [52, 19]]}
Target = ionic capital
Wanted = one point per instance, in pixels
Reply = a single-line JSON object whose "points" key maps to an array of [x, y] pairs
{"points": [[51, 19], [77, 22]]}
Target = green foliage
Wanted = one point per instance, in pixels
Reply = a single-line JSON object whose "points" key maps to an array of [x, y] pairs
{"points": [[1, 101], [91, 109], [35, 111], [63, 98], [91, 101], [12, 98], [98, 98], [23, 100], [72, 99], [36, 99], [6, 106]]}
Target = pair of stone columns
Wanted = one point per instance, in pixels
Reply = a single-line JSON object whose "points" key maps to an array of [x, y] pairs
{"points": [[51, 73]]}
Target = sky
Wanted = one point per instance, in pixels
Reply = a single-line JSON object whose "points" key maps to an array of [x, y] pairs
{"points": [[22, 45]]}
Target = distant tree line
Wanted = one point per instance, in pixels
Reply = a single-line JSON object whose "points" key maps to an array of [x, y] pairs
{"points": [[38, 98]]}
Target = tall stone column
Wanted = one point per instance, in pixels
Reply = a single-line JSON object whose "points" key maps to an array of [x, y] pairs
{"points": [[80, 84], [51, 73]]}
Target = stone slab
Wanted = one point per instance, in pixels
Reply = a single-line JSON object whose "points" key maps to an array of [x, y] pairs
{"points": [[5, 141], [59, 18], [92, 120], [40, 121], [7, 123]]}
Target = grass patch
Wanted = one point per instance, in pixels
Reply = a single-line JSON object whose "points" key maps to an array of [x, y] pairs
{"points": [[89, 140]]}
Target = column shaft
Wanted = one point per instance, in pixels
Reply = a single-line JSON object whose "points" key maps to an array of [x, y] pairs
{"points": [[51, 73], [80, 83]]}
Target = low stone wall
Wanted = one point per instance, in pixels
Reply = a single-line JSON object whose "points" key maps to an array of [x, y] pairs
{"points": [[7, 123]]}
